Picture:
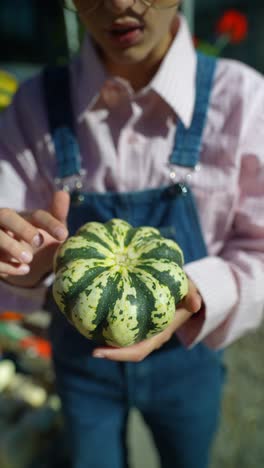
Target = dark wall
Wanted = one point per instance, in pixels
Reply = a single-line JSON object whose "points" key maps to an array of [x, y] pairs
{"points": [[31, 31]]}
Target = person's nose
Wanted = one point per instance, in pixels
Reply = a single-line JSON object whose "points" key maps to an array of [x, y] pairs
{"points": [[119, 6]]}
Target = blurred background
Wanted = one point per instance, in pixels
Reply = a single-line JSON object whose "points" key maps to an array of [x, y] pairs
{"points": [[33, 34]]}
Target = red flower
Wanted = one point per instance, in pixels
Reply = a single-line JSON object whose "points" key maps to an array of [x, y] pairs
{"points": [[233, 24]]}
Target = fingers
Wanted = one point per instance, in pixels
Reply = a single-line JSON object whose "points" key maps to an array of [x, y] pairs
{"points": [[54, 221], [133, 353], [13, 225], [28, 229], [21, 235], [193, 300], [46, 221], [140, 351], [60, 205], [13, 269], [11, 248], [11, 266]]}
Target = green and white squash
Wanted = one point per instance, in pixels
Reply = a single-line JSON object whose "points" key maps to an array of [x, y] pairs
{"points": [[117, 284]]}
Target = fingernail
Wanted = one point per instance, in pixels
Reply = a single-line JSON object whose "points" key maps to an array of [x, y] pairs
{"points": [[98, 354], [60, 233], [24, 269], [37, 240], [26, 257]]}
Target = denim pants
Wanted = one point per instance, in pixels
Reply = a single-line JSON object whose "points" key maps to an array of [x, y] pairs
{"points": [[178, 393]]}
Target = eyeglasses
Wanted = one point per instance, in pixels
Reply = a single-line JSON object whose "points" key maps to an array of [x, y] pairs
{"points": [[94, 4]]}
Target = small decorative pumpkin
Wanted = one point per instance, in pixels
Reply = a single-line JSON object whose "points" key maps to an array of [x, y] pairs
{"points": [[117, 284]]}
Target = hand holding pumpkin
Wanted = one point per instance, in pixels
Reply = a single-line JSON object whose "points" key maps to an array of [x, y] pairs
{"points": [[29, 240], [185, 309]]}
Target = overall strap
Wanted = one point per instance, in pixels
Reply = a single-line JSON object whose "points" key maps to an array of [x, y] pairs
{"points": [[57, 94], [187, 147]]}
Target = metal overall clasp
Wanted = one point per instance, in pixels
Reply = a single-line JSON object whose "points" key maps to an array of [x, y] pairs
{"points": [[182, 186], [72, 184]]}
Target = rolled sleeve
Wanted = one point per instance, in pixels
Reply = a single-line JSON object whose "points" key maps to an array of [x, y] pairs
{"points": [[216, 283]]}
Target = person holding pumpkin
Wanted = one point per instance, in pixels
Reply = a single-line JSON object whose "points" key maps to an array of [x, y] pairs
{"points": [[142, 128]]}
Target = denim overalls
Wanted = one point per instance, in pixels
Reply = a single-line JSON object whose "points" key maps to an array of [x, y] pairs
{"points": [[178, 391]]}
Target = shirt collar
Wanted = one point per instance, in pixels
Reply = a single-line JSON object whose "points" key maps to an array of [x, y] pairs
{"points": [[174, 81]]}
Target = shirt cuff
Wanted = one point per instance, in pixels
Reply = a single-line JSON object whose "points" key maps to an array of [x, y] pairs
{"points": [[217, 286]]}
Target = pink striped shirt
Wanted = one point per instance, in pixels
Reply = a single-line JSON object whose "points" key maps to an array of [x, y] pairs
{"points": [[126, 139]]}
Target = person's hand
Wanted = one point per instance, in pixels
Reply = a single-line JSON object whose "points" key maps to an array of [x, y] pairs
{"points": [[191, 304], [28, 241]]}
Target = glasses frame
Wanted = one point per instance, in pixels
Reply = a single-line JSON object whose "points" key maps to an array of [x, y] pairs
{"points": [[147, 3]]}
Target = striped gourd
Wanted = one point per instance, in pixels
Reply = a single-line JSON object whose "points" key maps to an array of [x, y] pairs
{"points": [[118, 284]]}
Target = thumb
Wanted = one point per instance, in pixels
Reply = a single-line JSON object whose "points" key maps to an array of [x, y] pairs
{"points": [[193, 300], [60, 206]]}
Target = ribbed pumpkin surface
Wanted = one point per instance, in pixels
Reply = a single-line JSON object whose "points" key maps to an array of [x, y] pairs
{"points": [[118, 284]]}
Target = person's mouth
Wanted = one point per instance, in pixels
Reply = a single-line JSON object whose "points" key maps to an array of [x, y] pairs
{"points": [[126, 33]]}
